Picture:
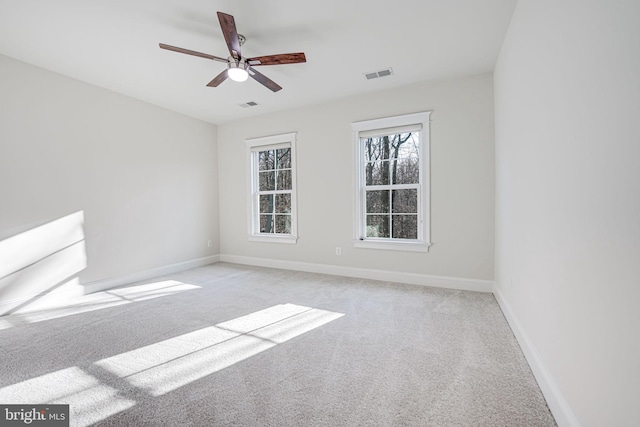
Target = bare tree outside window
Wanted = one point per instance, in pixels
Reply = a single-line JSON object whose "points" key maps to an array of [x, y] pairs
{"points": [[274, 190], [391, 183]]}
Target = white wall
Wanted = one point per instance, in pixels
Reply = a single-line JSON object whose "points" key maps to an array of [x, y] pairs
{"points": [[462, 180], [144, 178], [567, 94]]}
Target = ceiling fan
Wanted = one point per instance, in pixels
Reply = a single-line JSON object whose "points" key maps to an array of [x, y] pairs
{"points": [[240, 68]]}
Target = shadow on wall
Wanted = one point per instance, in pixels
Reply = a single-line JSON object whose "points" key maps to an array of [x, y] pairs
{"points": [[39, 267]]}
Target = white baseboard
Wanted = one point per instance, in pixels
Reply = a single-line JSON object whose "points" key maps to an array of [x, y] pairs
{"points": [[557, 404], [458, 283], [101, 285]]}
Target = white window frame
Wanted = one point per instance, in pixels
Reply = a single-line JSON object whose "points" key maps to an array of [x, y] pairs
{"points": [[254, 145], [389, 125]]}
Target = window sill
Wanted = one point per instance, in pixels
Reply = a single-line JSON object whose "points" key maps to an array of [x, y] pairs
{"points": [[274, 238], [392, 245]]}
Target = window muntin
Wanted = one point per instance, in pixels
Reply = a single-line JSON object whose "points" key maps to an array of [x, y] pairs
{"points": [[391, 186], [272, 193], [274, 190], [392, 182]]}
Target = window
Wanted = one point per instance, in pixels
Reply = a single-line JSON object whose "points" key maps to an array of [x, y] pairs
{"points": [[392, 198], [272, 214]]}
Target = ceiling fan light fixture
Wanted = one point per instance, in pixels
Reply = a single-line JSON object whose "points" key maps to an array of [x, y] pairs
{"points": [[237, 71]]}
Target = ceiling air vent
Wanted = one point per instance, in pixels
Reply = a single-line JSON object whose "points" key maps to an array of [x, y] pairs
{"points": [[382, 73], [248, 104]]}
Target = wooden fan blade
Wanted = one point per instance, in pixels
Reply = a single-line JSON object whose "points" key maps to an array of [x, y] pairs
{"points": [[264, 80], [283, 58], [191, 52], [218, 79], [228, 25]]}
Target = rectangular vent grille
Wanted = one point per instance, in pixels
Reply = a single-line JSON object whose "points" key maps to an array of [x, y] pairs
{"points": [[377, 74], [248, 104]]}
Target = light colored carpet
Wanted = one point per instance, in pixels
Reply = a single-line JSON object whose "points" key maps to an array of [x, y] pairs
{"points": [[229, 345]]}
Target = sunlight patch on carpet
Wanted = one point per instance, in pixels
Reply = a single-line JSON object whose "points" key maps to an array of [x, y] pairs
{"points": [[170, 364], [98, 301], [89, 400]]}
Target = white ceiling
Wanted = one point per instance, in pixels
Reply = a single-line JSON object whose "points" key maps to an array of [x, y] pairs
{"points": [[114, 44]]}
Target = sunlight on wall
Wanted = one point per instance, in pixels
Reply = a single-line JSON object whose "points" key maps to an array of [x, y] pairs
{"points": [[97, 301], [90, 400], [167, 365], [41, 260]]}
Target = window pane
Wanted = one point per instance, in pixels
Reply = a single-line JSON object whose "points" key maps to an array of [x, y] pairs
{"points": [[266, 160], [266, 203], [405, 171], [283, 224], [377, 173], [284, 158], [405, 201], [378, 201], [405, 226], [266, 223], [404, 146], [377, 225], [283, 203], [377, 148], [284, 179], [267, 181]]}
